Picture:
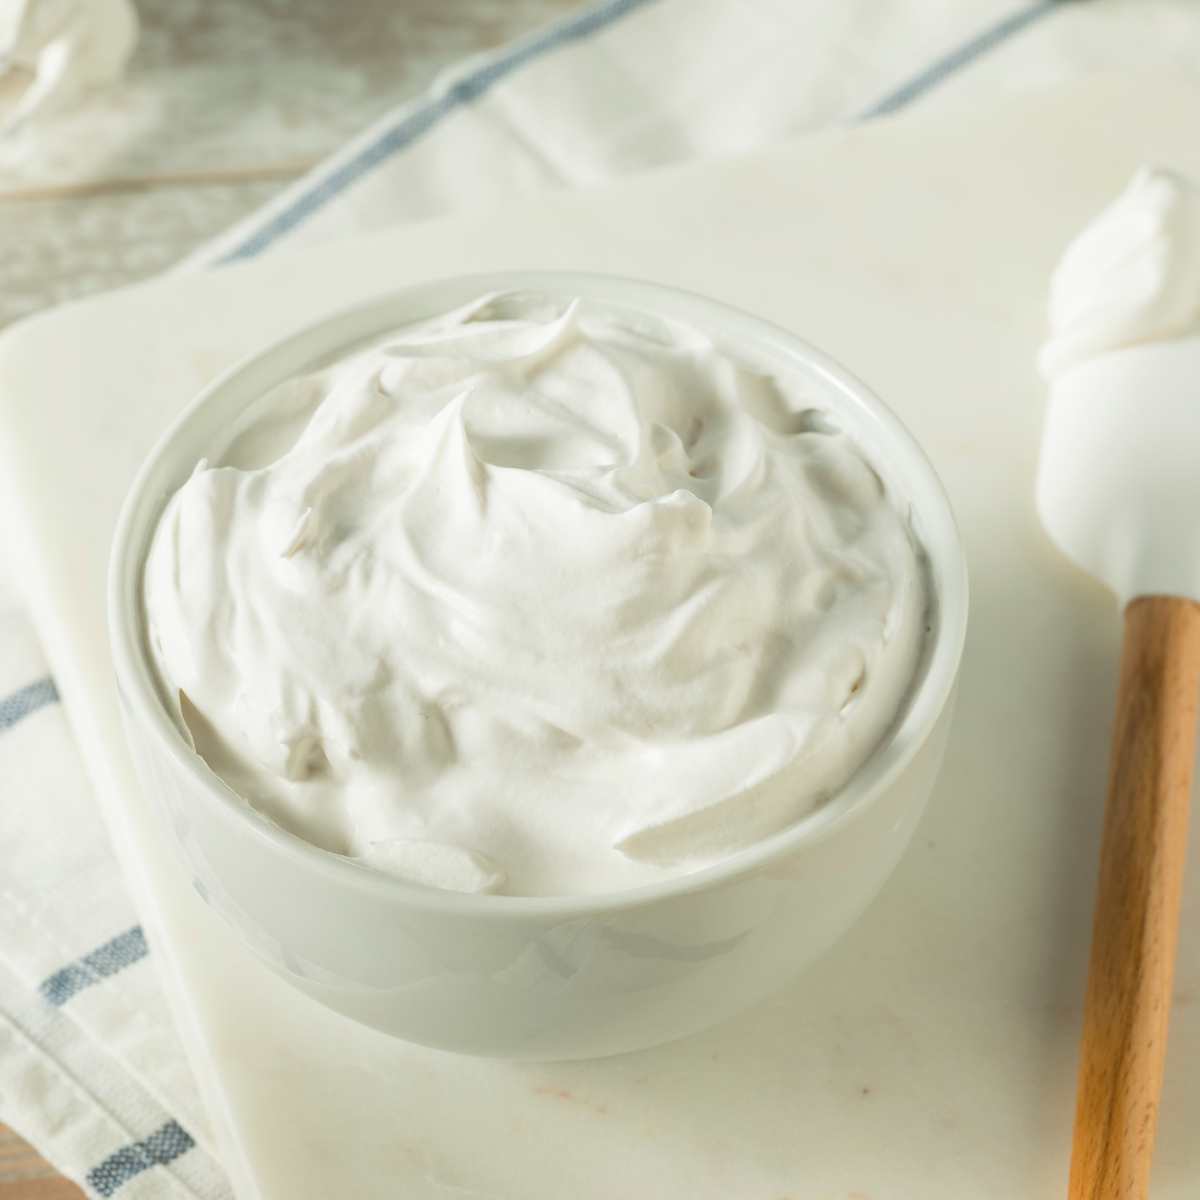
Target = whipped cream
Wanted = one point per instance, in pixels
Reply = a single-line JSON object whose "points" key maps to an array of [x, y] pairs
{"points": [[536, 597], [1131, 277]]}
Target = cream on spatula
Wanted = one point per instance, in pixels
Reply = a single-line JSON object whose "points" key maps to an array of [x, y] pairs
{"points": [[1119, 492]]}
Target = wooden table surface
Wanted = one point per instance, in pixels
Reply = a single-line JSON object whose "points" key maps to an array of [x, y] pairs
{"points": [[25, 1175], [141, 174]]}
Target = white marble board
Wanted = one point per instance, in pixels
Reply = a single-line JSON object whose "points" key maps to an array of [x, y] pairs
{"points": [[931, 1054]]}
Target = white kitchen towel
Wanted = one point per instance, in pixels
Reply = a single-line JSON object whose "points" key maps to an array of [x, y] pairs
{"points": [[90, 1069]]}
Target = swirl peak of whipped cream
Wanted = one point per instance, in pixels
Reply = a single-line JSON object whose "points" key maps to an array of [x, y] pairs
{"points": [[535, 597], [1130, 277]]}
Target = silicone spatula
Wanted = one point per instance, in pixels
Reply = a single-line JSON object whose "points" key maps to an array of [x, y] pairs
{"points": [[1119, 492]]}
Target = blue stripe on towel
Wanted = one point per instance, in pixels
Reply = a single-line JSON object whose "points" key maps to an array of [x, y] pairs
{"points": [[27, 700], [961, 56], [119, 1168], [418, 120], [124, 950]]}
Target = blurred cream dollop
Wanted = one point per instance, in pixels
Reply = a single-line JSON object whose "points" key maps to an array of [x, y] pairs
{"points": [[536, 597], [1131, 277], [53, 52]]}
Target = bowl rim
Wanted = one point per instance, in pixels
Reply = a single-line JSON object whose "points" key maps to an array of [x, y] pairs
{"points": [[932, 514]]}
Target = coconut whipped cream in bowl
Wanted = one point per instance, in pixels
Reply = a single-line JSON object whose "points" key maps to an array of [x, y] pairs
{"points": [[538, 665]]}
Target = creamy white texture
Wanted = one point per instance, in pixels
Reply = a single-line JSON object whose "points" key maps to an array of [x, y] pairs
{"points": [[1132, 276], [538, 598]]}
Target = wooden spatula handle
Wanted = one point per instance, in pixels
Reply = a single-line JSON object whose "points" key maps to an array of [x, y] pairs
{"points": [[1137, 904]]}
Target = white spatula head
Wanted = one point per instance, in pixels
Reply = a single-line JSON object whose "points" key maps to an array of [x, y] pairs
{"points": [[1119, 481]]}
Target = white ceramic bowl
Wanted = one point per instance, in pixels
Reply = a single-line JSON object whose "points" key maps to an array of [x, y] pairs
{"points": [[542, 977]]}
